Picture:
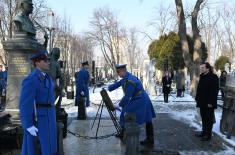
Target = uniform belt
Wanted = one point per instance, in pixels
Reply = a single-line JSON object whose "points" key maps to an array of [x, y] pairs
{"points": [[42, 105], [137, 93]]}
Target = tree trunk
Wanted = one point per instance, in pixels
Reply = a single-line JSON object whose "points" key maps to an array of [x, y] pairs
{"points": [[197, 53], [193, 65]]}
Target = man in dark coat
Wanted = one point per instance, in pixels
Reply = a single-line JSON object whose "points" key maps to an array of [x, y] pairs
{"points": [[180, 82], [206, 99], [166, 85], [82, 84], [135, 100], [222, 82]]}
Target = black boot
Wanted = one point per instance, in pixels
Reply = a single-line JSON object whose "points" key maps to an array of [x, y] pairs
{"points": [[149, 133]]}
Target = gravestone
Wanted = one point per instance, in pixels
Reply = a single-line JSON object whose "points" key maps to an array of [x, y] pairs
{"points": [[227, 124]]}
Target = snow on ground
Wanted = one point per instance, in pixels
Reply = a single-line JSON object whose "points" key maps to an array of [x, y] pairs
{"points": [[183, 109]]}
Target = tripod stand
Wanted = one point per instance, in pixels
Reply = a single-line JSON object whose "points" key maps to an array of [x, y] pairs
{"points": [[106, 101]]}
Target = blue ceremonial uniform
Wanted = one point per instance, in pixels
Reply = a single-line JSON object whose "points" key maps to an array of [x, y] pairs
{"points": [[39, 89], [82, 82], [3, 78], [135, 99]]}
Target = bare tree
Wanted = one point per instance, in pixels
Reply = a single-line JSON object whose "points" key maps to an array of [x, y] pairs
{"points": [[165, 20], [131, 48], [228, 22], [107, 34]]}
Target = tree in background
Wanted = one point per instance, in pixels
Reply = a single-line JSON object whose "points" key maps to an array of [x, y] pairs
{"points": [[132, 49], [168, 49], [220, 63], [108, 35]]}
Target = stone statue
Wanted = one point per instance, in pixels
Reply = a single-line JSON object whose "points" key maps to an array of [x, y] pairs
{"points": [[55, 72], [149, 76], [227, 67], [22, 23]]}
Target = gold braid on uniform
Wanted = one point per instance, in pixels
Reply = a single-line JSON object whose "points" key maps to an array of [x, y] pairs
{"points": [[134, 84]]}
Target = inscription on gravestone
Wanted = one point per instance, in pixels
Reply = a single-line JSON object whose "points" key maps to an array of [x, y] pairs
{"points": [[19, 64]]}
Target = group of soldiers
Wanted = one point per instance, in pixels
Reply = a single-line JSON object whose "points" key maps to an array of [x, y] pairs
{"points": [[37, 107], [135, 99]]}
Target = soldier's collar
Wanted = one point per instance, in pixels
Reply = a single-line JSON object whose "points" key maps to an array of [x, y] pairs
{"points": [[40, 75]]}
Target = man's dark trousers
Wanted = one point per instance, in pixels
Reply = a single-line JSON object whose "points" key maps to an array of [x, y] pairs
{"points": [[207, 115]]}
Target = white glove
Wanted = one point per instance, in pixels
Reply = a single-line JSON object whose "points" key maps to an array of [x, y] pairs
{"points": [[168, 85], [32, 130], [105, 88], [82, 93], [116, 107]]}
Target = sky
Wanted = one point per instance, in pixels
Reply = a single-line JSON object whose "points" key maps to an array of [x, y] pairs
{"points": [[130, 13]]}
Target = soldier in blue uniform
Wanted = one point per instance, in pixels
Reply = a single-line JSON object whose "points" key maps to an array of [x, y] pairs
{"points": [[82, 83], [2, 80], [37, 110], [135, 100]]}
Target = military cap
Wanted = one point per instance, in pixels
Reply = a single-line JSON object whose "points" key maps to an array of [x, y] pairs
{"points": [[39, 55], [85, 63], [119, 66]]}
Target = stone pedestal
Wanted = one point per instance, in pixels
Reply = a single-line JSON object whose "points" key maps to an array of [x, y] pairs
{"points": [[19, 66], [227, 125], [82, 109], [132, 132]]}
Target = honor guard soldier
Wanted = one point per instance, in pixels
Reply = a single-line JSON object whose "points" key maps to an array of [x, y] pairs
{"points": [[135, 100], [82, 83], [37, 110], [3, 81]]}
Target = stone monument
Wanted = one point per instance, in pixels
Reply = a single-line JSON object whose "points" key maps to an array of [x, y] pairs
{"points": [[149, 76], [19, 49]]}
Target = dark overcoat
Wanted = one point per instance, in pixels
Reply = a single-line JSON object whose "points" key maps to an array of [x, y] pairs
{"points": [[207, 90], [166, 84]]}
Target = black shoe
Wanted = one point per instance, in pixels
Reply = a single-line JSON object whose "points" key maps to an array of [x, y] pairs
{"points": [[147, 141], [205, 138], [200, 134]]}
